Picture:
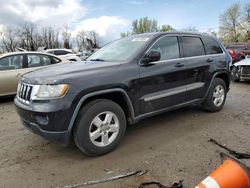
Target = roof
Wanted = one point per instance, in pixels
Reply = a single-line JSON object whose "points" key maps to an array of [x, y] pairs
{"points": [[176, 32], [26, 52], [57, 49]]}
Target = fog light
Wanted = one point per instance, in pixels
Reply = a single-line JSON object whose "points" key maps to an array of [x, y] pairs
{"points": [[42, 120]]}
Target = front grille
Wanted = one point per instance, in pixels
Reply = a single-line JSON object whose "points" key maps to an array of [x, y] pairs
{"points": [[245, 70], [24, 92]]}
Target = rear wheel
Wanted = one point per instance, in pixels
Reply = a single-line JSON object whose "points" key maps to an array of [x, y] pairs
{"points": [[100, 126], [216, 96]]}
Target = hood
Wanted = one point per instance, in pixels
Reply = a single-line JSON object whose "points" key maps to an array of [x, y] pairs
{"points": [[243, 62], [58, 73]]}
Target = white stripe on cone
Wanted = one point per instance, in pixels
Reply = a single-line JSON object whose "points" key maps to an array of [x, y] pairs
{"points": [[209, 182]]}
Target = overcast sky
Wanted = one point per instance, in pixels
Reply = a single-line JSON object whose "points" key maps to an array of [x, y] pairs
{"points": [[111, 17]]}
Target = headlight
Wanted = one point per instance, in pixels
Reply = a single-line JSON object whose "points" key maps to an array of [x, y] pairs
{"points": [[50, 91]]}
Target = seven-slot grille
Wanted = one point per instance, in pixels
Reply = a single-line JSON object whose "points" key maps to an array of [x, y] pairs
{"points": [[24, 92], [245, 70]]}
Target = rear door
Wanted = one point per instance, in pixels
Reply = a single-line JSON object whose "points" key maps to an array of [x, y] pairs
{"points": [[11, 70], [197, 65]]}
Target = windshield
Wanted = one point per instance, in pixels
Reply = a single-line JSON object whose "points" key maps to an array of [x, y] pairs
{"points": [[120, 50]]}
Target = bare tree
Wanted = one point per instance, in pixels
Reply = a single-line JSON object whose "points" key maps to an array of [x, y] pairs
{"points": [[230, 22], [66, 36], [81, 40], [49, 37], [9, 39], [28, 36]]}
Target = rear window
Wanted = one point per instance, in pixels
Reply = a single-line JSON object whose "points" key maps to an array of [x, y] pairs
{"points": [[212, 47], [192, 46]]}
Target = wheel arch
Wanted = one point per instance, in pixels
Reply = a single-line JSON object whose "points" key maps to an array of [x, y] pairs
{"points": [[222, 75], [116, 95]]}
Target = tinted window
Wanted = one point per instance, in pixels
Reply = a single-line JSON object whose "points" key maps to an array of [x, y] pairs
{"points": [[192, 46], [168, 47], [212, 47], [38, 60], [61, 52], [11, 62]]}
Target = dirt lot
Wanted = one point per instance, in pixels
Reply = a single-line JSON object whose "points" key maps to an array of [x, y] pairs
{"points": [[171, 147]]}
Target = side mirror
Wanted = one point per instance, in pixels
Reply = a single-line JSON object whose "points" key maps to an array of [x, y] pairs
{"points": [[151, 56]]}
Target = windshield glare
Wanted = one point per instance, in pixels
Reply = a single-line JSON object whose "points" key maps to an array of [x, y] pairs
{"points": [[120, 50]]}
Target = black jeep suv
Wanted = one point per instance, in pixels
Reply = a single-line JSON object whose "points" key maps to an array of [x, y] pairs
{"points": [[130, 79]]}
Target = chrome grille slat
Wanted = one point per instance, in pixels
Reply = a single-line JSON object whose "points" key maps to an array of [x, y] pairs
{"points": [[24, 93]]}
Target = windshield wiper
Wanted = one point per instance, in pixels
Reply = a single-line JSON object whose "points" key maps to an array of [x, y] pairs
{"points": [[97, 59]]}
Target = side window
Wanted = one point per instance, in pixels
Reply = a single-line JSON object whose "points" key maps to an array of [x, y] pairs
{"points": [[61, 52], [168, 47], [55, 60], [38, 60], [212, 47], [192, 46], [11, 62]]}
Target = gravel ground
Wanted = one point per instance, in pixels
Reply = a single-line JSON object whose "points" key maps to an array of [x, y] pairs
{"points": [[171, 146]]}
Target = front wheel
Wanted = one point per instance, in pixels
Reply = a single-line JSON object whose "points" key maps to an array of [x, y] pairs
{"points": [[100, 126], [216, 97]]}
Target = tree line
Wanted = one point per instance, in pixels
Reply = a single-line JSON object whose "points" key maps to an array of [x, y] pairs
{"points": [[30, 36], [234, 25]]}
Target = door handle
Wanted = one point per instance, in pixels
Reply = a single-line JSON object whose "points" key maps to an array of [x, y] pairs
{"points": [[179, 65], [209, 60]]}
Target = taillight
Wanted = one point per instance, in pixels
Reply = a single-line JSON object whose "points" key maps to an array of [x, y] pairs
{"points": [[232, 54]]}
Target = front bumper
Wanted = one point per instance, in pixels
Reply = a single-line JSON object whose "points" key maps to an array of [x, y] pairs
{"points": [[47, 120], [61, 137]]}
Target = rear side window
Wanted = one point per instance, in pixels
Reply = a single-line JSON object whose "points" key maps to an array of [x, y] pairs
{"points": [[168, 47], [11, 62], [192, 46], [212, 47], [38, 60], [61, 52]]}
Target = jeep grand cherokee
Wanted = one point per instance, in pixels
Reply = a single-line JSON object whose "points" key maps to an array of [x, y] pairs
{"points": [[130, 79]]}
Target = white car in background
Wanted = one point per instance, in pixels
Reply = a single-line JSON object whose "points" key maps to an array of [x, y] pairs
{"points": [[64, 54], [241, 70]]}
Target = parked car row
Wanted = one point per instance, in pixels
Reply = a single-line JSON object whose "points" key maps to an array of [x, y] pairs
{"points": [[14, 65]]}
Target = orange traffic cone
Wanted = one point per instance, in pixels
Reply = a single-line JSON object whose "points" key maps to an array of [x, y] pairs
{"points": [[231, 174]]}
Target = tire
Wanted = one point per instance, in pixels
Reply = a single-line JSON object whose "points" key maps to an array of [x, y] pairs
{"points": [[235, 75], [218, 90], [105, 121]]}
